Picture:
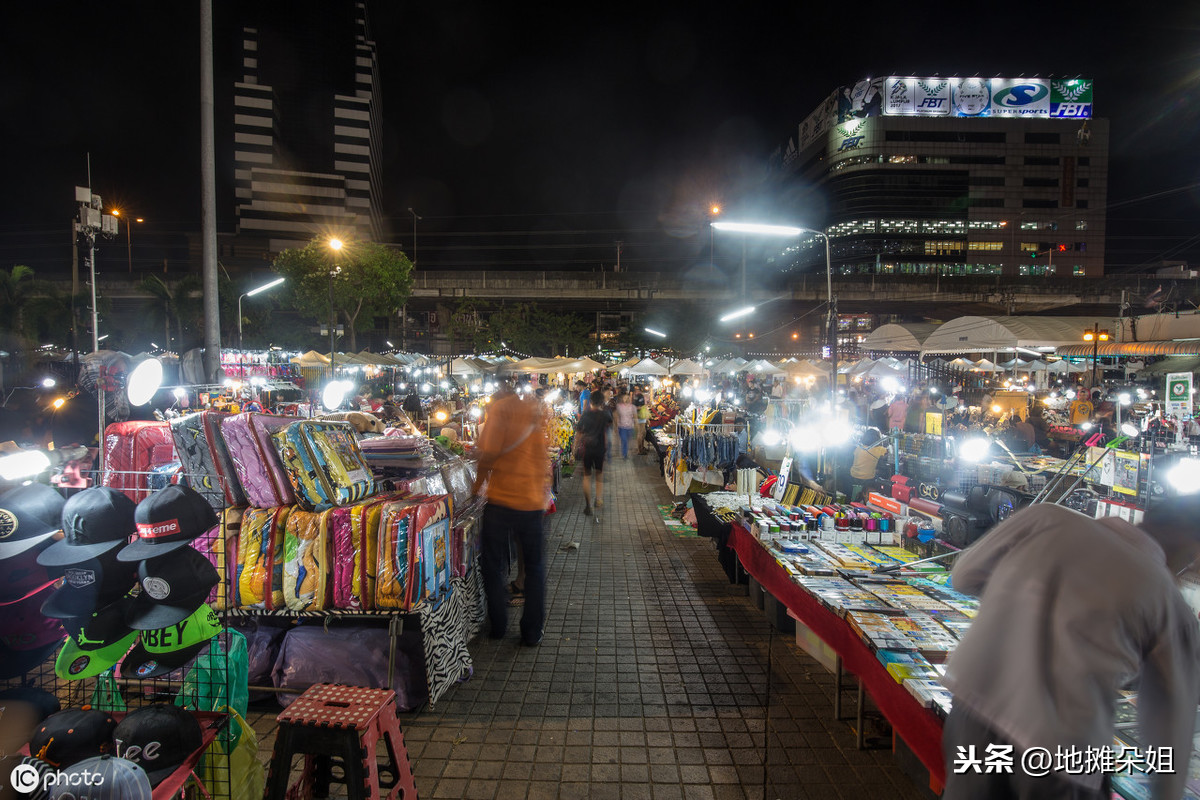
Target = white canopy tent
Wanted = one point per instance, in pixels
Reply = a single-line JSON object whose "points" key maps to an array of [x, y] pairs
{"points": [[764, 367], [904, 337], [648, 366], [686, 367], [1010, 334]]}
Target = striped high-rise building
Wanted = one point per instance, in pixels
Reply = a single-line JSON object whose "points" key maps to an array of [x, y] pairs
{"points": [[306, 131]]}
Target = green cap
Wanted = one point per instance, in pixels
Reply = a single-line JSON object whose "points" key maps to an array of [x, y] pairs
{"points": [[167, 649]]}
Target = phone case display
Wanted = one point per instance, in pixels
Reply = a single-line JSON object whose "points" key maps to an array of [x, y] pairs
{"points": [[261, 473], [206, 460], [130, 451], [306, 560], [260, 558], [324, 463]]}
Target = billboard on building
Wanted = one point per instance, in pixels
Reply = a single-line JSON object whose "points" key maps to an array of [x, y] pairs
{"points": [[1071, 98], [1020, 97], [863, 99], [916, 97]]}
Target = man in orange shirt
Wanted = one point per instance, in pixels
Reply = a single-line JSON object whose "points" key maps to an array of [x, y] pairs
{"points": [[514, 466]]}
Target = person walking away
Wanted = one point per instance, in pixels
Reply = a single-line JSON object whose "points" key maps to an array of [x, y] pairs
{"points": [[871, 447], [590, 434], [897, 411], [514, 474], [584, 393], [1071, 609], [626, 417], [641, 411]]}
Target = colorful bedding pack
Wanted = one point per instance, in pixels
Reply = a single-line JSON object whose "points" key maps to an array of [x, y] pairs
{"points": [[206, 462], [219, 545], [306, 560], [261, 558], [432, 550], [131, 450], [255, 460], [324, 463], [354, 538], [414, 552], [395, 555]]}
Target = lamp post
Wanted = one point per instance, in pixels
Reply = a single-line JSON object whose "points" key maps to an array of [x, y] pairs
{"points": [[251, 293], [415, 217], [336, 246], [1095, 335], [116, 212]]}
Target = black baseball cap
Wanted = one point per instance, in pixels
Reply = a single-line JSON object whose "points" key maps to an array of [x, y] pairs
{"points": [[27, 638], [94, 522], [21, 576], [158, 737], [95, 643], [70, 736], [29, 516], [167, 649], [91, 585], [173, 587], [167, 520]]}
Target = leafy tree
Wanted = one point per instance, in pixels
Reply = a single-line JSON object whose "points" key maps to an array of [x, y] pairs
{"points": [[16, 286], [537, 331], [55, 316], [366, 279], [561, 333]]}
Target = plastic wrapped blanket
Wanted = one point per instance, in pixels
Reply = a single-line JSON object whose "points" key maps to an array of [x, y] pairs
{"points": [[352, 656], [324, 463], [260, 558], [206, 461], [255, 460], [395, 556], [132, 449], [306, 560], [354, 539]]}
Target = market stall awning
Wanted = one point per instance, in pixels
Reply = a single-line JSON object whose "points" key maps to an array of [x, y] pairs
{"points": [[1181, 347], [1168, 365], [903, 337], [311, 359], [648, 366], [686, 367], [1010, 334]]}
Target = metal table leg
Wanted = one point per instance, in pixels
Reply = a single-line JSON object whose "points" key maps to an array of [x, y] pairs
{"points": [[837, 687], [860, 738]]}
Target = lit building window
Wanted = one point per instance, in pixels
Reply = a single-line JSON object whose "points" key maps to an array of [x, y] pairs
{"points": [[942, 248], [1081, 225], [898, 159], [984, 225], [1078, 270], [985, 245]]}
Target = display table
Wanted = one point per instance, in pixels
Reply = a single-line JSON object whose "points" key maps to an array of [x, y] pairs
{"points": [[920, 729]]}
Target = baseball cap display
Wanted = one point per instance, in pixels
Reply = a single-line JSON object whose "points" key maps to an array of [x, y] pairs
{"points": [[91, 585], [94, 522], [173, 587], [22, 576], [96, 642], [167, 520], [103, 778], [159, 738], [29, 516], [167, 649], [27, 638], [68, 737]]}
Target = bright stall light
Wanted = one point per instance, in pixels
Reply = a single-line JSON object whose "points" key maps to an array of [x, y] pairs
{"points": [[837, 433], [49, 383], [59, 402], [179, 392], [1124, 398], [475, 412], [974, 449], [425, 387], [553, 396], [333, 394], [441, 416], [144, 381], [25, 464], [1070, 394], [1087, 426], [770, 437], [1129, 429], [996, 409], [890, 385], [1183, 477]]}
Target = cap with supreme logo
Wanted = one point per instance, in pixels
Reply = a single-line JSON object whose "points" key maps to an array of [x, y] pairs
{"points": [[167, 649], [167, 520]]}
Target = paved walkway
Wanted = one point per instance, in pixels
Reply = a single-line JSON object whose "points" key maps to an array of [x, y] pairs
{"points": [[651, 682]]}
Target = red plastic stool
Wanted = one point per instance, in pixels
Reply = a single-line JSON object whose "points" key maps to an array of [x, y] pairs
{"points": [[333, 725]]}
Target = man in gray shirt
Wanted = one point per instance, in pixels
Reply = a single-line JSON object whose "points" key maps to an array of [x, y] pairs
{"points": [[1072, 609]]}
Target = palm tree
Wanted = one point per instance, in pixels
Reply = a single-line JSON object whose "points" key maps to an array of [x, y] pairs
{"points": [[49, 307], [15, 286], [165, 303]]}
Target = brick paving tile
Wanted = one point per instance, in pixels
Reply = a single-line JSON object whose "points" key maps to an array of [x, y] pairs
{"points": [[650, 684]]}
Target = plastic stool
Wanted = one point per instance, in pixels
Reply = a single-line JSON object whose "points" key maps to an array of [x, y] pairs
{"points": [[330, 721]]}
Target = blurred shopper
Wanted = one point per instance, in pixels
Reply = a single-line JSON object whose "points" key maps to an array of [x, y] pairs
{"points": [[591, 436], [626, 418], [641, 411], [512, 448], [1072, 609]]}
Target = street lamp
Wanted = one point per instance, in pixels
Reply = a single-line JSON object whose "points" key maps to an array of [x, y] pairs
{"points": [[659, 334], [251, 293], [1095, 336], [336, 246], [757, 229], [415, 217], [116, 212]]}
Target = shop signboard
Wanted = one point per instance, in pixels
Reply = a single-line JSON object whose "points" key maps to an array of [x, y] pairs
{"points": [[1179, 395], [785, 472], [1020, 97], [933, 423], [1071, 98]]}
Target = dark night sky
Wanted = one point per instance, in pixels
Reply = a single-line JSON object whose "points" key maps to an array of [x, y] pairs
{"points": [[540, 134]]}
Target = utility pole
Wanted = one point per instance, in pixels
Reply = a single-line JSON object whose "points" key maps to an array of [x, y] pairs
{"points": [[619, 243], [208, 199], [93, 222]]}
